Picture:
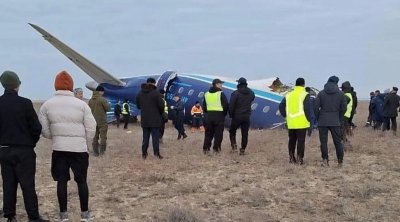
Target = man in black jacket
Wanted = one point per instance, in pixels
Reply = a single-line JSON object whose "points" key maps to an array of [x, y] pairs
{"points": [[151, 104], [240, 111], [19, 132], [330, 107], [179, 116], [215, 108], [390, 106]]}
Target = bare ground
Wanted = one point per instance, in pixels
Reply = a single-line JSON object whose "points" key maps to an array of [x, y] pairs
{"points": [[260, 186]]}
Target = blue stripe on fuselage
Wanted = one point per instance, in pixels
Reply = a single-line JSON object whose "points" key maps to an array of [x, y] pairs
{"points": [[267, 95]]}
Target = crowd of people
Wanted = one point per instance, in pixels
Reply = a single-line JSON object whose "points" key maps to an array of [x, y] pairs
{"points": [[383, 110], [72, 124]]}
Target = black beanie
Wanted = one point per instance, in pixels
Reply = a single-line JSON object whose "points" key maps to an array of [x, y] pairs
{"points": [[300, 82], [334, 79], [100, 88], [10, 80]]}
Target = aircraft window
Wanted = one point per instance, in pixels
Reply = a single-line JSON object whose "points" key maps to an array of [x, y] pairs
{"points": [[201, 94], [266, 109], [180, 90], [171, 88], [254, 106], [190, 92], [278, 113]]}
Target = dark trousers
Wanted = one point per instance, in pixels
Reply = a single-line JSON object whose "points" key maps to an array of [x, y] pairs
{"points": [[162, 129], [178, 124], [244, 124], [126, 120], [297, 136], [337, 140], [118, 119], [214, 130], [154, 131], [387, 123], [61, 163], [18, 165], [197, 121]]}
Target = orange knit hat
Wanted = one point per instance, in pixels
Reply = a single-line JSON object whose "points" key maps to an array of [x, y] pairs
{"points": [[64, 81]]}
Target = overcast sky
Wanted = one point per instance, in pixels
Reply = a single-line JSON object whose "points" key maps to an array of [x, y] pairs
{"points": [[355, 40]]}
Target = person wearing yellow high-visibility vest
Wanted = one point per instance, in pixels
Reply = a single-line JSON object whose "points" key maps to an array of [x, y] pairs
{"points": [[126, 113], [346, 127], [164, 116], [296, 109], [215, 107], [329, 108]]}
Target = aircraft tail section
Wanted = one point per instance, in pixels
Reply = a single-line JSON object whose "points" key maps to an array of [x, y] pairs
{"points": [[94, 71]]}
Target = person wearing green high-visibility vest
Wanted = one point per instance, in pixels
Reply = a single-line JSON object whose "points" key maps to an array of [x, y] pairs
{"points": [[296, 109], [346, 127], [215, 106]]}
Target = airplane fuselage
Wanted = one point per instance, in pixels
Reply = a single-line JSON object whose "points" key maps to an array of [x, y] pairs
{"points": [[191, 88]]}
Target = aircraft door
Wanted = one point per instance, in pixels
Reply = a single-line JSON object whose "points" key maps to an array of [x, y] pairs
{"points": [[165, 79]]}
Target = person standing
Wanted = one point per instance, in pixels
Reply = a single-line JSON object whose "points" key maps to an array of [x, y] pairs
{"points": [[19, 132], [313, 118], [346, 126], [126, 113], [330, 107], [215, 106], [197, 117], [179, 115], [295, 107], [70, 124], [370, 120], [151, 104], [117, 113], [164, 116], [99, 106], [353, 108], [390, 112], [240, 111], [377, 110]]}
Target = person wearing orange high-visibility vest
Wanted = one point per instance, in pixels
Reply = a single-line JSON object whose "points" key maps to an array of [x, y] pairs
{"points": [[197, 117], [295, 108]]}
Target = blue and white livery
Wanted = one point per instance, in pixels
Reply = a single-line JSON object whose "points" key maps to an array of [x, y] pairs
{"points": [[191, 87]]}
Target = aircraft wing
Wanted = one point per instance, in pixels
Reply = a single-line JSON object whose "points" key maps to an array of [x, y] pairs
{"points": [[97, 73]]}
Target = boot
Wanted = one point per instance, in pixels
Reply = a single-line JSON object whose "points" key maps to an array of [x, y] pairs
{"points": [[102, 149], [325, 163], [184, 136], [234, 148], [241, 151], [158, 155], [144, 156], [179, 136], [95, 149], [202, 129], [300, 159], [340, 163], [292, 159]]}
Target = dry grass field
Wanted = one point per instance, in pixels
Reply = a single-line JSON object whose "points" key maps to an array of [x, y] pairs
{"points": [[260, 186]]}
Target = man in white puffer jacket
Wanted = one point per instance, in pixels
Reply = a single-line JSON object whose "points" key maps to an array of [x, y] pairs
{"points": [[69, 122]]}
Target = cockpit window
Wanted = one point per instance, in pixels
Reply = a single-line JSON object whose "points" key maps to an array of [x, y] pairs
{"points": [[190, 92], [201, 94], [181, 90]]}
